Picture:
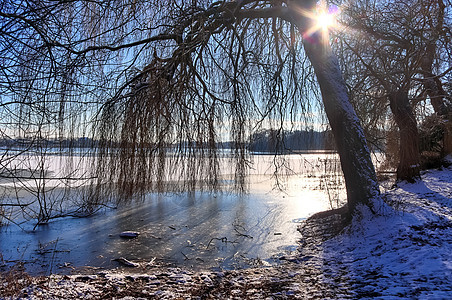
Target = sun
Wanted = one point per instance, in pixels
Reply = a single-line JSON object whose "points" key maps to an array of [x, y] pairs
{"points": [[325, 20], [325, 17]]}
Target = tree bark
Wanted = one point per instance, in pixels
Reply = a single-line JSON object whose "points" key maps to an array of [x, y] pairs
{"points": [[357, 166], [436, 94], [433, 85], [359, 172], [409, 160], [439, 98], [447, 140]]}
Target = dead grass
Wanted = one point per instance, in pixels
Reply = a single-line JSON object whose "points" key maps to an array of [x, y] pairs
{"points": [[13, 281]]}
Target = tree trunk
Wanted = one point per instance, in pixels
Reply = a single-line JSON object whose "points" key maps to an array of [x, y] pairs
{"points": [[439, 98], [359, 172], [432, 84], [409, 158], [360, 178], [447, 140], [436, 94]]}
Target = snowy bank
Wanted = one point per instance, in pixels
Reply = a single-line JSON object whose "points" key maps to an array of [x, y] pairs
{"points": [[408, 252]]}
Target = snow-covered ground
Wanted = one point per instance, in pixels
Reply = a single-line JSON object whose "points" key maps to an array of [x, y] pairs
{"points": [[404, 254]]}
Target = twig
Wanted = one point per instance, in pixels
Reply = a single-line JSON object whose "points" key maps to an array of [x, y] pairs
{"points": [[242, 234], [235, 225], [53, 256], [223, 239], [186, 257]]}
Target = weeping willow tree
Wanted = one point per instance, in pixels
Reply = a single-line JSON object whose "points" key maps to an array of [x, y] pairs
{"points": [[165, 83]]}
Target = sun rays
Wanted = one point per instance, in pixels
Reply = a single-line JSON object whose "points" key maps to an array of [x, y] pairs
{"points": [[323, 20]]}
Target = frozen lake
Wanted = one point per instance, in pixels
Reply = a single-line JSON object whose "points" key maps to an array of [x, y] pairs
{"points": [[199, 230]]}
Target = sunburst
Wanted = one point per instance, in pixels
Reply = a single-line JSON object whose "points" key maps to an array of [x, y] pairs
{"points": [[323, 20]]}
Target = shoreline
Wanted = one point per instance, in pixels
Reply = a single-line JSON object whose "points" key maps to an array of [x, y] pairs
{"points": [[404, 254]]}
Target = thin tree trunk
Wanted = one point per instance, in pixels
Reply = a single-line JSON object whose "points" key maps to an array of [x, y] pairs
{"points": [[409, 160], [447, 140]]}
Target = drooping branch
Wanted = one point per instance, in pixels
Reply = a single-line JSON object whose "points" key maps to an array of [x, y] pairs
{"points": [[176, 82]]}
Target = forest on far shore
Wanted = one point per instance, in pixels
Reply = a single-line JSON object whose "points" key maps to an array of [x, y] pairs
{"points": [[279, 141]]}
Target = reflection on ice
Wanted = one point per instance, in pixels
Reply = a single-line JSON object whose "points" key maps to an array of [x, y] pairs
{"points": [[199, 230]]}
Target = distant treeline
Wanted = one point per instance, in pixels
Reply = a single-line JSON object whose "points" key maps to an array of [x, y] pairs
{"points": [[275, 141], [26, 143], [268, 141]]}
